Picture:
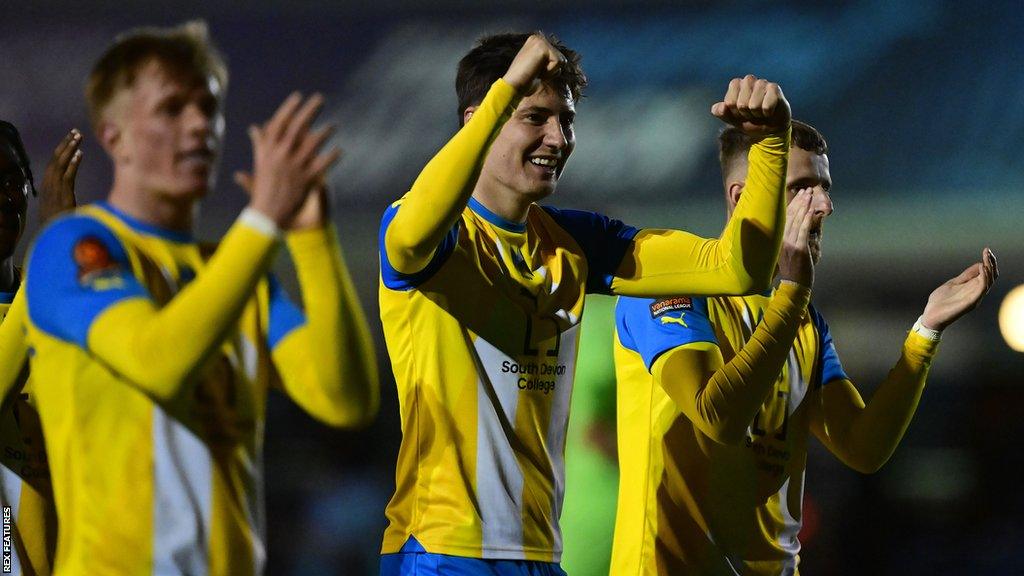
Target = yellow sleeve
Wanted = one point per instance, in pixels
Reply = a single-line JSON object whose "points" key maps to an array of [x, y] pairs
{"points": [[13, 347], [741, 261], [440, 193], [721, 399], [157, 349], [865, 437], [328, 365]]}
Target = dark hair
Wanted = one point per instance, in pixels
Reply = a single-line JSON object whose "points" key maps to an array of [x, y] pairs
{"points": [[10, 133], [733, 143], [183, 50], [490, 59]]}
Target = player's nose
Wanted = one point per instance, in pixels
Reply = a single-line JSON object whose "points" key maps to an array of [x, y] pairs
{"points": [[554, 135], [197, 120], [821, 202]]}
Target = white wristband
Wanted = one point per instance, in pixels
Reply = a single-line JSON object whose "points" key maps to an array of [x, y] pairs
{"points": [[934, 335], [260, 222]]}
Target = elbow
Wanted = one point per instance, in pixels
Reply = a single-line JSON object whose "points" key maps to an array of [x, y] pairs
{"points": [[744, 281], [754, 281], [352, 417], [726, 432], [866, 463], [867, 467], [726, 435], [355, 411], [405, 253]]}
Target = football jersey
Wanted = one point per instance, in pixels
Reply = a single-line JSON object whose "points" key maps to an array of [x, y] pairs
{"points": [[483, 347], [147, 484], [483, 335], [688, 504], [25, 491]]}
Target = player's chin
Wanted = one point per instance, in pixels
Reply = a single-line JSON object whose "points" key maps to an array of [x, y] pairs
{"points": [[540, 188]]}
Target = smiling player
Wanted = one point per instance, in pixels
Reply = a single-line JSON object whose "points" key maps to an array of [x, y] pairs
{"points": [[482, 293]]}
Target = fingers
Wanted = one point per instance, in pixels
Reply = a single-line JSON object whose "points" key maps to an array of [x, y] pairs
{"points": [[274, 128], [67, 145], [772, 96], [65, 151], [255, 135], [313, 142], [71, 172], [753, 104], [555, 60], [989, 257], [323, 162], [969, 273], [300, 122], [808, 217]]}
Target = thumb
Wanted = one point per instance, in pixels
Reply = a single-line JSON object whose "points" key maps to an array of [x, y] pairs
{"points": [[244, 180]]}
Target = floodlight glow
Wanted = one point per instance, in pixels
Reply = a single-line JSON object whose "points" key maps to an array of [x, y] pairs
{"points": [[1011, 318]]}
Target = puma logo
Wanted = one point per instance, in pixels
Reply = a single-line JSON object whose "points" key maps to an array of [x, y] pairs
{"points": [[674, 320]]}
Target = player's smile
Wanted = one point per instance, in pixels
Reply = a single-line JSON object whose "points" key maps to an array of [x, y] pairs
{"points": [[530, 152], [547, 167]]}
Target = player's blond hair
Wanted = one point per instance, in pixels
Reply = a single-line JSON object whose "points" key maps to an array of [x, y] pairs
{"points": [[184, 51]]}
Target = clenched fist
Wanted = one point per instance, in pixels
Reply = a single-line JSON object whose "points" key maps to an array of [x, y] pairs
{"points": [[536, 61], [754, 105]]}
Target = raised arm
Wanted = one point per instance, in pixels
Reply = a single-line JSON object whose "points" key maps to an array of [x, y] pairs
{"points": [[742, 260], [440, 193], [722, 398], [81, 287], [324, 356], [863, 436]]}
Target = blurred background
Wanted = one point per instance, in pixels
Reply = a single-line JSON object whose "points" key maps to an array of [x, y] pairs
{"points": [[919, 101]]}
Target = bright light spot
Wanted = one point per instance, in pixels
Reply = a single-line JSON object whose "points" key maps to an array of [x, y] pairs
{"points": [[1011, 318]]}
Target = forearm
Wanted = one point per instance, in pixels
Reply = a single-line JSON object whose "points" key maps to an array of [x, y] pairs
{"points": [[741, 261], [158, 350], [328, 365], [440, 193], [873, 433], [725, 403]]}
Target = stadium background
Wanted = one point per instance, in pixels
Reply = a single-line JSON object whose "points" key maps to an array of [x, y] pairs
{"points": [[920, 102]]}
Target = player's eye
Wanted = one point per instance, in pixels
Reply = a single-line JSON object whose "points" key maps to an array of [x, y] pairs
{"points": [[172, 106], [208, 105]]}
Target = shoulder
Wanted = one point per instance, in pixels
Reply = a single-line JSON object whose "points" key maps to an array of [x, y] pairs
{"points": [[588, 223], [78, 237]]}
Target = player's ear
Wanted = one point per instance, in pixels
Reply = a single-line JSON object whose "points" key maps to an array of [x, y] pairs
{"points": [[733, 192], [109, 134], [467, 114]]}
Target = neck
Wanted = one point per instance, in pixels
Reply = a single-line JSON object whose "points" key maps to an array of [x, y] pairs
{"points": [[150, 207], [504, 203], [8, 277]]}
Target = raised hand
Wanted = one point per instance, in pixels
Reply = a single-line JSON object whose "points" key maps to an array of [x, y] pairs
{"points": [[961, 294], [754, 105], [536, 61], [795, 263], [58, 187], [288, 163]]}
